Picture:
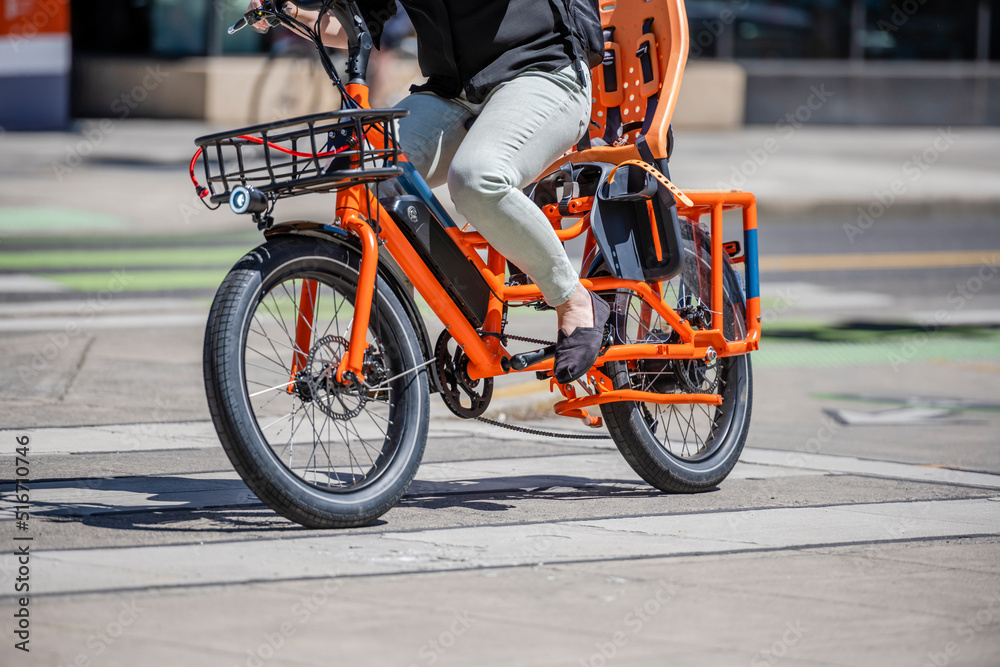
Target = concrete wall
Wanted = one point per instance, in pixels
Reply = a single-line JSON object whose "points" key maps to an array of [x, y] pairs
{"points": [[254, 89], [872, 93], [219, 90], [713, 96]]}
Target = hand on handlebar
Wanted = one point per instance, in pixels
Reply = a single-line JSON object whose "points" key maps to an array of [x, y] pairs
{"points": [[330, 30], [261, 26]]}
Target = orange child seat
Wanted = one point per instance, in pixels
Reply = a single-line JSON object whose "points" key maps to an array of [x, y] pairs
{"points": [[635, 88]]}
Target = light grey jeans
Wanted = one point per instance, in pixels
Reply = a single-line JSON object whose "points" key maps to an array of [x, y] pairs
{"points": [[522, 127]]}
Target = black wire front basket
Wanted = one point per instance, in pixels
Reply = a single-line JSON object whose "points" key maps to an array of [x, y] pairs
{"points": [[315, 153]]}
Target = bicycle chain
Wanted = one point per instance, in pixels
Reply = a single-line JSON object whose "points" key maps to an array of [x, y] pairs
{"points": [[525, 339], [535, 431], [547, 434]]}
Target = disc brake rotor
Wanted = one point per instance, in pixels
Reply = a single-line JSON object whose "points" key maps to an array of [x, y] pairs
{"points": [[689, 376], [318, 383], [695, 376]]}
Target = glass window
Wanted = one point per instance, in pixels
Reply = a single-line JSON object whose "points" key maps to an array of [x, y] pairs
{"points": [[993, 15], [246, 40], [170, 28], [110, 26], [179, 27], [921, 29], [769, 28]]}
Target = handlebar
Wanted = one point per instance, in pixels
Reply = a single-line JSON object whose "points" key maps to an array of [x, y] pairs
{"points": [[253, 16], [347, 13]]}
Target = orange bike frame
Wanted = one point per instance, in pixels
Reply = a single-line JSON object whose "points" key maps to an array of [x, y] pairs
{"points": [[487, 355]]}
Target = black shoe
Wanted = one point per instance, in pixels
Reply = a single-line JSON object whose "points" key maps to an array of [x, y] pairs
{"points": [[577, 352]]}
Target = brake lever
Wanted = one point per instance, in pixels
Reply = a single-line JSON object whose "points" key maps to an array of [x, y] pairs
{"points": [[253, 16]]}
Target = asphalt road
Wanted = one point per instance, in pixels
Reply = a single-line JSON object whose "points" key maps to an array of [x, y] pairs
{"points": [[862, 526]]}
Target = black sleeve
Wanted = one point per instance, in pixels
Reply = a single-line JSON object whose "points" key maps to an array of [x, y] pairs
{"points": [[376, 13]]}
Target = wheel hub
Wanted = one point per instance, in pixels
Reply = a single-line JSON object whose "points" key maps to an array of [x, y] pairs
{"points": [[317, 382]]}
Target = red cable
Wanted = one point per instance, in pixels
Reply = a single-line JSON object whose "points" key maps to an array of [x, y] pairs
{"points": [[204, 192], [200, 189]]}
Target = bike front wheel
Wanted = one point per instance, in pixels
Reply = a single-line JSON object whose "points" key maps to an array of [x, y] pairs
{"points": [[318, 452]]}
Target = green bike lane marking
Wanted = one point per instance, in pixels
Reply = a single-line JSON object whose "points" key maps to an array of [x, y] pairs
{"points": [[124, 258], [36, 219], [119, 280], [249, 238], [811, 354]]}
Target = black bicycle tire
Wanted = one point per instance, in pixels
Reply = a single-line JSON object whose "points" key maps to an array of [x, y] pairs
{"points": [[644, 453], [235, 424], [660, 468]]}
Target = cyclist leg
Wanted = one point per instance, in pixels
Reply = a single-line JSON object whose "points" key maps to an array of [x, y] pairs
{"points": [[429, 136], [523, 127]]}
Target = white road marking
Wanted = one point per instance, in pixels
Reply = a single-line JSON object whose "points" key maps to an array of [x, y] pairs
{"points": [[153, 320], [810, 296], [891, 416], [345, 554], [23, 282], [119, 437], [194, 435], [70, 307], [848, 465]]}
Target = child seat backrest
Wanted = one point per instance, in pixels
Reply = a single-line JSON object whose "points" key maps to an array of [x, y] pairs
{"points": [[635, 88]]}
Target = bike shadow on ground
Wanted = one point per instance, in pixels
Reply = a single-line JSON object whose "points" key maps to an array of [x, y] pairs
{"points": [[228, 506]]}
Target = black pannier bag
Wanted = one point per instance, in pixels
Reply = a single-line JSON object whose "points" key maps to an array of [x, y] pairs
{"points": [[635, 224]]}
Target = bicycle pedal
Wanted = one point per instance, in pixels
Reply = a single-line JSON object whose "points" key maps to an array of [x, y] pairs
{"points": [[521, 361]]}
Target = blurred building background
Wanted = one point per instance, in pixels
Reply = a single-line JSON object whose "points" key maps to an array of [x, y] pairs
{"points": [[882, 61]]}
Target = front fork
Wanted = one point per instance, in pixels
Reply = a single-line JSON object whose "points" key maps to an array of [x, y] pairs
{"points": [[349, 203], [351, 366], [303, 328]]}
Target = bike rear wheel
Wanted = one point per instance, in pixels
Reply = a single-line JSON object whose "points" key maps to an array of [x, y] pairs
{"points": [[316, 452], [675, 447]]}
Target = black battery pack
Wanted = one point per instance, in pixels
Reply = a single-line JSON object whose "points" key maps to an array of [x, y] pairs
{"points": [[459, 277]]}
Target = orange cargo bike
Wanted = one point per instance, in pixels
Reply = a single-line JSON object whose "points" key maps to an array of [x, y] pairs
{"points": [[317, 362]]}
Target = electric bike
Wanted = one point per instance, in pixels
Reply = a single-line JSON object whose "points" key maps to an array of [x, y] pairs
{"points": [[317, 362]]}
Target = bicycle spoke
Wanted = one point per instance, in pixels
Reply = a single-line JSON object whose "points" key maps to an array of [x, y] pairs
{"points": [[267, 358], [270, 340], [280, 322], [298, 313], [264, 428], [283, 385], [264, 368], [347, 429]]}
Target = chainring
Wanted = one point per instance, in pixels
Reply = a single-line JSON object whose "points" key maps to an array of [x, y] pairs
{"points": [[456, 385]]}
